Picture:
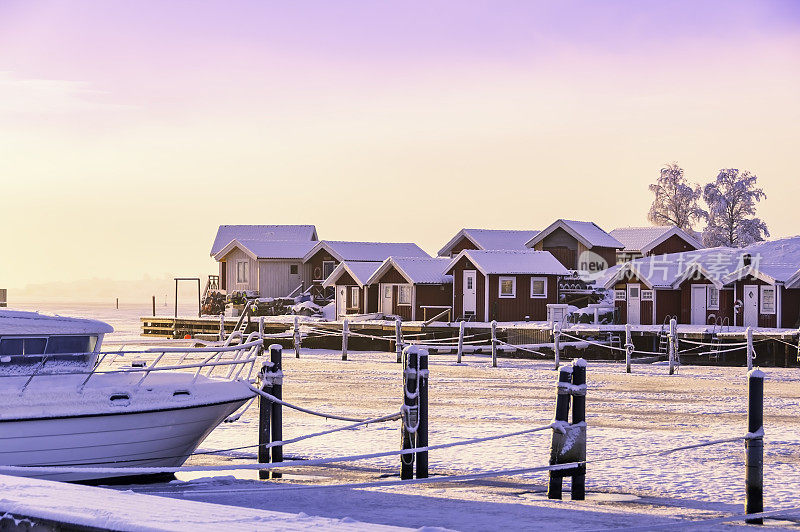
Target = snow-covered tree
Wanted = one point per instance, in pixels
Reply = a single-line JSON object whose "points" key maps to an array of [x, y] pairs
{"points": [[731, 201], [676, 201]]}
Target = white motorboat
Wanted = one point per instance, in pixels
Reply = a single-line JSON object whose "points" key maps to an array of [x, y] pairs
{"points": [[65, 402]]}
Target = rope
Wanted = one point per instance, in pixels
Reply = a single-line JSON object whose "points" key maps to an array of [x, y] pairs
{"points": [[520, 348], [305, 410], [591, 342], [712, 521]]}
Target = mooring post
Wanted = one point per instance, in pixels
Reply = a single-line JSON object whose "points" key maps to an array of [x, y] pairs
{"points": [[261, 328], [422, 430], [154, 306], [461, 342], [557, 344], [579, 424], [561, 417], [222, 327], [750, 351], [297, 337], [410, 410], [345, 333], [398, 339], [672, 326], [628, 347], [494, 344], [117, 303], [264, 416], [798, 346], [275, 356], [754, 447]]}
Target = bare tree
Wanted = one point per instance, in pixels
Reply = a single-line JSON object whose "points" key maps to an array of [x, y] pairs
{"points": [[732, 200], [676, 201]]}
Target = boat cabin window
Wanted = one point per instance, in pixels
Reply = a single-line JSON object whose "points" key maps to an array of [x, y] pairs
{"points": [[22, 346], [28, 346], [69, 344]]}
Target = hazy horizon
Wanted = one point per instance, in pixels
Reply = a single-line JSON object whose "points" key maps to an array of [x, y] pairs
{"points": [[132, 130]]}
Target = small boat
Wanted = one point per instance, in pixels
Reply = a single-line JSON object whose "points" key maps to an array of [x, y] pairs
{"points": [[65, 402]]}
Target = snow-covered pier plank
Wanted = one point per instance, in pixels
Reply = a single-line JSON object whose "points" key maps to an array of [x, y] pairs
{"points": [[56, 506]]}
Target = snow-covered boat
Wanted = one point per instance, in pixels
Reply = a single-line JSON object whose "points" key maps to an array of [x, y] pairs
{"points": [[64, 402]]}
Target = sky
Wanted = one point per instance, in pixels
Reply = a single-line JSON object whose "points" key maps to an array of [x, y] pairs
{"points": [[130, 130]]}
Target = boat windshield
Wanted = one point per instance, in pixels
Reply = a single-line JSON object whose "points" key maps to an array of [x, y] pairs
{"points": [[57, 347]]}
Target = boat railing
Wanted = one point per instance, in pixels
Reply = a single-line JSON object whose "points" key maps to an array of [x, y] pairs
{"points": [[229, 361]]}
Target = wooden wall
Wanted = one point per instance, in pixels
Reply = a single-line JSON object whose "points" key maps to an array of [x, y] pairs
{"points": [[458, 289], [673, 244], [516, 308]]}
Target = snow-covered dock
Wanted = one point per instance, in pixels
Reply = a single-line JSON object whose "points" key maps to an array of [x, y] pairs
{"points": [[58, 506]]}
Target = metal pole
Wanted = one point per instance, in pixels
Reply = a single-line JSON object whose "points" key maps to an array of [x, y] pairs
{"points": [[398, 340], [345, 331], [494, 344], [461, 343], [672, 326], [557, 343], [754, 447], [750, 350], [297, 338], [579, 418], [275, 355], [422, 430], [628, 347]]}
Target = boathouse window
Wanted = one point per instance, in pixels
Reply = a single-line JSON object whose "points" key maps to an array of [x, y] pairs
{"points": [[403, 294], [293, 269], [647, 295], [620, 295], [767, 300], [538, 286], [508, 287], [327, 268], [713, 298], [242, 268], [354, 297]]}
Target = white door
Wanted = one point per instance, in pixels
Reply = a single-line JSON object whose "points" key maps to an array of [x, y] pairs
{"points": [[295, 277], [341, 301], [634, 298], [698, 304], [387, 301], [470, 292], [750, 309]]}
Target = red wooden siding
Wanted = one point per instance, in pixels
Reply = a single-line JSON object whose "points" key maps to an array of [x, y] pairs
{"points": [[392, 276], [462, 244], [674, 244], [668, 303], [522, 305], [314, 265], [764, 320], [790, 305], [458, 289], [433, 294]]}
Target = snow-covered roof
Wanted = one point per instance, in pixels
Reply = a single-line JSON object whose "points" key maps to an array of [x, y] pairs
{"points": [[491, 239], [265, 249], [360, 271], [227, 233], [416, 270], [644, 239], [366, 251], [18, 322], [587, 233], [491, 262]]}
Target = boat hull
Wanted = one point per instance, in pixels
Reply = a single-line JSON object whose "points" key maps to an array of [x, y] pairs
{"points": [[156, 438]]}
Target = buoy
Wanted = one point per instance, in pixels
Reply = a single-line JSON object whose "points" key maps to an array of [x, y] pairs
{"points": [[187, 337]]}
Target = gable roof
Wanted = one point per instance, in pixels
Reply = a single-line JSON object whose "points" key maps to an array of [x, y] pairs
{"points": [[644, 239], [491, 239], [587, 233], [511, 262], [416, 270], [264, 249], [227, 233], [366, 251], [359, 271]]}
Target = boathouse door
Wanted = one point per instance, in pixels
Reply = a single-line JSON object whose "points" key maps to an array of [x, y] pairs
{"points": [[341, 301], [387, 298], [634, 307], [750, 301], [698, 304], [470, 292]]}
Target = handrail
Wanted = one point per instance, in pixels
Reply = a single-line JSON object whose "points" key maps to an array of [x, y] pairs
{"points": [[431, 320], [293, 292]]}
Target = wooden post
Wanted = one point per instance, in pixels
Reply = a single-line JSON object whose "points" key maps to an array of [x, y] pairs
{"points": [[798, 346], [261, 327], [672, 326], [628, 347], [422, 430], [750, 350], [264, 418], [562, 414], [154, 305], [222, 327], [117, 303], [461, 342], [754, 447], [557, 344], [398, 340], [494, 344], [345, 332], [579, 419], [275, 355], [297, 337], [410, 410]]}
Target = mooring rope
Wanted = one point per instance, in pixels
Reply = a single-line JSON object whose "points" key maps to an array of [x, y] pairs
{"points": [[305, 410]]}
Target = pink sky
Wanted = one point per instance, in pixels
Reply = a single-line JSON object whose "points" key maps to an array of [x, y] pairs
{"points": [[121, 122]]}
